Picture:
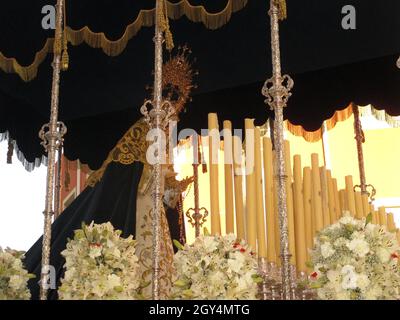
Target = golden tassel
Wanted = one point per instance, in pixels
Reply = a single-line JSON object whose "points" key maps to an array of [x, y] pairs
{"points": [[65, 56], [164, 25], [281, 4]]}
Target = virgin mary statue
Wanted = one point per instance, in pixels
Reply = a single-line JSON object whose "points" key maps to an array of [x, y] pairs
{"points": [[120, 192]]}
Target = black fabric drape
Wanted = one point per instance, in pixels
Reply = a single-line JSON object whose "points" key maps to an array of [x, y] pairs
{"points": [[112, 199]]}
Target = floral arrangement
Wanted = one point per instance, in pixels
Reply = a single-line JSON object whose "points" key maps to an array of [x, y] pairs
{"points": [[356, 260], [215, 268], [100, 264], [13, 277]]}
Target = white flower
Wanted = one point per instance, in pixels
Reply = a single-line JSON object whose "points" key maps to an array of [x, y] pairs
{"points": [[209, 243], [13, 277], [113, 281], [364, 265], [363, 281], [95, 252], [334, 276], [383, 254], [105, 267], [236, 263], [16, 282], [340, 242], [347, 219], [215, 267], [327, 250], [349, 281], [359, 246]]}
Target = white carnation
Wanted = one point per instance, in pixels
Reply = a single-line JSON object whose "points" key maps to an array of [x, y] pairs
{"points": [[359, 246], [363, 281], [327, 250]]}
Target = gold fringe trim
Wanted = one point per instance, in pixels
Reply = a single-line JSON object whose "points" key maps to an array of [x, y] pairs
{"points": [[314, 136], [26, 73], [339, 116], [113, 48], [200, 14]]}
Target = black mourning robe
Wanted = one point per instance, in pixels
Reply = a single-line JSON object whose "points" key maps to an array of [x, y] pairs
{"points": [[112, 199]]}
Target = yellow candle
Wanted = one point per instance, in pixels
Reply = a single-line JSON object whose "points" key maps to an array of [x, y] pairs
{"points": [[350, 195], [316, 193], [269, 199], [307, 190], [251, 225], [366, 206], [382, 216], [325, 197], [343, 201], [359, 205], [337, 199], [228, 159], [375, 217], [391, 224], [331, 197], [262, 247], [237, 149], [300, 229], [213, 165]]}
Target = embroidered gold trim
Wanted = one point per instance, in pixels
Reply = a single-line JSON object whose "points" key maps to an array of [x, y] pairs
{"points": [[130, 148]]}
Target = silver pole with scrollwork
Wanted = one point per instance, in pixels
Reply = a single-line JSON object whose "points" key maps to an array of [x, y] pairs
{"points": [[277, 91], [52, 136]]}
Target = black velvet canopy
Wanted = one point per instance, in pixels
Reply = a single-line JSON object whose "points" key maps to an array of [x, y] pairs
{"points": [[101, 95]]}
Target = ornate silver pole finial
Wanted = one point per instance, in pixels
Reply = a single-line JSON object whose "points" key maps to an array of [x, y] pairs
{"points": [[277, 91], [52, 136]]}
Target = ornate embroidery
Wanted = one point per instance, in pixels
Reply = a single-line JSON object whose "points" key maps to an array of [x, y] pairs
{"points": [[130, 148], [145, 245]]}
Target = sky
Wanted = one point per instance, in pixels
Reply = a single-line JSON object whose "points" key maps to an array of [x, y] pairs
{"points": [[22, 196]]}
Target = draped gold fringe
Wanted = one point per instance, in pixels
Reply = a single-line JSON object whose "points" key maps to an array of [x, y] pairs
{"points": [[113, 48], [339, 116], [314, 136], [26, 73]]}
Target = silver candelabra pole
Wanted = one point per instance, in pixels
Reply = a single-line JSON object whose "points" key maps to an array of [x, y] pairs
{"points": [[157, 117], [52, 136], [277, 91]]}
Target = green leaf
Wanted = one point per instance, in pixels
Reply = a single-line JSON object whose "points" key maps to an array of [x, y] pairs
{"points": [[178, 245], [180, 283], [257, 279], [206, 232], [368, 219], [188, 293], [315, 285]]}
